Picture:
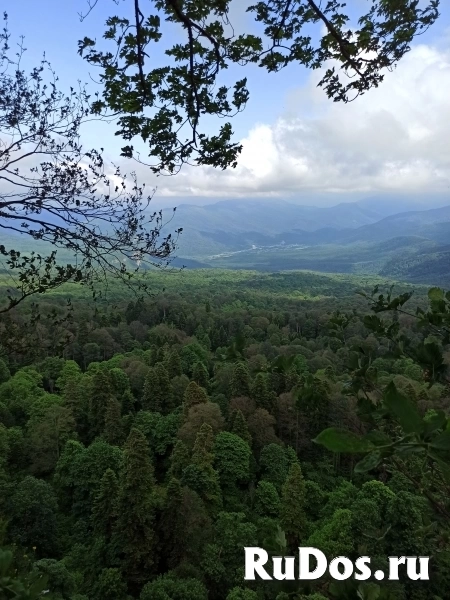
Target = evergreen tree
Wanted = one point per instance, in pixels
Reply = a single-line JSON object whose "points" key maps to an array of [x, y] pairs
{"points": [[150, 397], [4, 371], [239, 426], [200, 475], [293, 517], [194, 395], [179, 460], [174, 368], [267, 500], [113, 432], [314, 406], [204, 442], [135, 526], [153, 356], [101, 394], [75, 400], [178, 385], [261, 394], [172, 525], [205, 341], [128, 403], [105, 508], [240, 380], [164, 389], [157, 392], [200, 375]]}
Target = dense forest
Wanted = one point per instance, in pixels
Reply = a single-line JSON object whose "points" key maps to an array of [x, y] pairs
{"points": [[145, 443]]}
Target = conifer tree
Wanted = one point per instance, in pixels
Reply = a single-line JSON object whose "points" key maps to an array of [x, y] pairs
{"points": [[163, 392], [205, 341], [204, 442], [200, 475], [222, 337], [135, 526], [293, 517], [153, 357], [128, 403], [179, 459], [75, 400], [4, 371], [240, 380], [113, 423], [193, 395], [200, 375], [105, 508], [174, 367], [239, 426], [172, 525], [149, 398], [261, 394], [157, 392], [178, 385], [101, 393]]}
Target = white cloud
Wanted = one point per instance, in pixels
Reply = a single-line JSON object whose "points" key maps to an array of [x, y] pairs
{"points": [[395, 138]]}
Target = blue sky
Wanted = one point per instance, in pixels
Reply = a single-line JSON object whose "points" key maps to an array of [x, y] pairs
{"points": [[286, 115]]}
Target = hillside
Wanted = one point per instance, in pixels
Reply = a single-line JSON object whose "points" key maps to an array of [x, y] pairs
{"points": [[347, 238]]}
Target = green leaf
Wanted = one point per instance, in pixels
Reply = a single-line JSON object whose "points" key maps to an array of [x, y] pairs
{"points": [[369, 462], [442, 441], [378, 438], [341, 440], [434, 422], [405, 411]]}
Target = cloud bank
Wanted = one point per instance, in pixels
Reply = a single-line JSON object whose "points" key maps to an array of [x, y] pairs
{"points": [[393, 139]]}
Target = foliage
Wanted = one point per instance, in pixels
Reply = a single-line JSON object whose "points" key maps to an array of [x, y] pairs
{"points": [[61, 195], [158, 104]]}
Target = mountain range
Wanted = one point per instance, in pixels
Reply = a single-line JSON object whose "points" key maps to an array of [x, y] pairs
{"points": [[373, 237], [362, 237]]}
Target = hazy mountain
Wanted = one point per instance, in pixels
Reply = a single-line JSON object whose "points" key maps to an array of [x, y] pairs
{"points": [[270, 217], [432, 224], [277, 235], [238, 225], [347, 238]]}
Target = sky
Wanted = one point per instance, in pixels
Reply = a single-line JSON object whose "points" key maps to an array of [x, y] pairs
{"points": [[297, 144]]}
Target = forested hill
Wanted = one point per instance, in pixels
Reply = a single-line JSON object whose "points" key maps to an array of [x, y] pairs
{"points": [[348, 238], [145, 444]]}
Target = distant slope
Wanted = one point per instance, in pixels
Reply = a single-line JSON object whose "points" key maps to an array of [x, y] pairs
{"points": [[433, 224], [270, 217], [238, 225]]}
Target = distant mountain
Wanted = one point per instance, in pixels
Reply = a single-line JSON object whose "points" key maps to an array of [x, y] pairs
{"points": [[432, 224], [238, 225], [347, 238], [269, 217], [277, 235]]}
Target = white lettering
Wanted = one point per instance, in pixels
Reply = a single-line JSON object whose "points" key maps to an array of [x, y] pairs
{"points": [[334, 568], [252, 565], [304, 555]]}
